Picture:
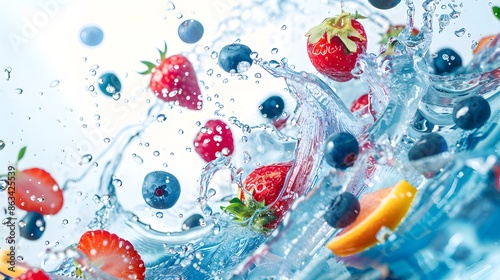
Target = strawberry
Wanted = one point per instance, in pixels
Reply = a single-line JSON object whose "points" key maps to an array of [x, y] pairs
{"points": [[35, 190], [112, 254], [334, 45], [215, 137], [393, 32], [174, 80], [34, 274], [261, 196], [361, 102]]}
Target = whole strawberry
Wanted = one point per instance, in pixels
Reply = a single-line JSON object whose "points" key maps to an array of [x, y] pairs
{"points": [[174, 80], [261, 196], [215, 137], [334, 45]]}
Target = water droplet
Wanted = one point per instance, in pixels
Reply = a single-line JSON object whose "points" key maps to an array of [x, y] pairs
{"points": [[159, 215], [170, 6], [283, 27], [210, 72], [20, 258], [117, 183], [87, 158], [246, 157], [8, 70], [156, 153], [161, 118], [54, 83], [4, 184], [214, 55], [274, 51], [179, 15], [65, 221], [18, 90], [181, 131], [116, 96], [2, 144], [137, 158], [460, 32], [107, 140]]}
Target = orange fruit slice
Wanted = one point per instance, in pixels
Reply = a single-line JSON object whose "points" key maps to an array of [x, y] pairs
{"points": [[385, 207], [483, 42]]}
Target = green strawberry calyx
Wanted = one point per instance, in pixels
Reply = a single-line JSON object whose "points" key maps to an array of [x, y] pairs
{"points": [[253, 213], [392, 33], [20, 156], [151, 66], [340, 26]]}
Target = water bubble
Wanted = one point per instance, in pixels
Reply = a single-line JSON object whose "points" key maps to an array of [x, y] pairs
{"points": [[181, 131], [161, 118], [91, 36], [283, 27], [54, 83], [2, 144], [20, 258], [214, 55], [65, 221], [159, 215], [137, 158], [210, 72], [178, 15], [18, 90], [274, 51], [107, 140], [8, 70], [460, 32], [156, 153], [246, 157], [116, 96], [444, 20]]}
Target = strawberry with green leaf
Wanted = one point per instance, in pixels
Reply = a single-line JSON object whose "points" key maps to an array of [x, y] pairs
{"points": [[334, 45], [393, 32], [35, 190], [260, 202], [174, 80]]}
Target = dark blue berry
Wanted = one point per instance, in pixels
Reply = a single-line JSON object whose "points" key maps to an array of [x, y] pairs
{"points": [[109, 84], [190, 31], [195, 220], [343, 210], [446, 61], [273, 107], [428, 145], [161, 190], [384, 4], [471, 113], [32, 226], [341, 150], [235, 58], [91, 36]]}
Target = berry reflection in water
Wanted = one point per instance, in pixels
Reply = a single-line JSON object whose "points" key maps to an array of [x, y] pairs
{"points": [[161, 190]]}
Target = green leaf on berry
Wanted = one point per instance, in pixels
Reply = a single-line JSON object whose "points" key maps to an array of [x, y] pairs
{"points": [[150, 66], [253, 212], [496, 11], [21, 153]]}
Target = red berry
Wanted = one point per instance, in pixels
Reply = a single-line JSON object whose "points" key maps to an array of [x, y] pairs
{"points": [[112, 254], [361, 102], [215, 137], [334, 45], [37, 191], [174, 80]]}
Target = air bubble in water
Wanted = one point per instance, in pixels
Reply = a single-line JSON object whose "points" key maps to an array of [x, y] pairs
{"points": [[214, 55], [65, 221], [283, 27], [159, 215], [87, 158], [117, 183], [54, 83], [170, 6], [156, 153], [161, 118], [274, 51], [2, 144]]}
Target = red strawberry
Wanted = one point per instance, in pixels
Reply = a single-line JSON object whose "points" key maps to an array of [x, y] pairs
{"points": [[215, 137], [174, 80], [393, 32], [264, 185], [34, 274], [334, 45], [36, 190], [361, 102], [112, 254]]}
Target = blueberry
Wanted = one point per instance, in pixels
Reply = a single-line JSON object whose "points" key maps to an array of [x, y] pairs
{"points": [[471, 113], [161, 190], [343, 210], [384, 4], [446, 61], [273, 107], [341, 150], [32, 226], [91, 36], [190, 31], [109, 84], [428, 145], [235, 58], [195, 220]]}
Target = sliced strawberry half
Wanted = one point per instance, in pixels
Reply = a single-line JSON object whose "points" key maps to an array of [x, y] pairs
{"points": [[112, 254]]}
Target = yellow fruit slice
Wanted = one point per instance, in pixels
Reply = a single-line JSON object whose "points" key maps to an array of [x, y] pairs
{"points": [[385, 207], [8, 269]]}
